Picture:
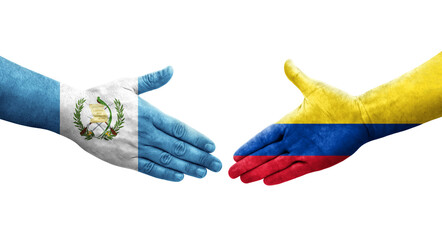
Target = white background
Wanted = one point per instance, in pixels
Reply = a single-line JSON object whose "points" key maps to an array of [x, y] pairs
{"points": [[229, 84]]}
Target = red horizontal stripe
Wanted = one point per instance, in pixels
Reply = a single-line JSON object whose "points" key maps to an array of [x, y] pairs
{"points": [[296, 158], [285, 167]]}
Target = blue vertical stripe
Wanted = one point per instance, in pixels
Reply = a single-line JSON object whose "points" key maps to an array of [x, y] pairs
{"points": [[28, 98]]}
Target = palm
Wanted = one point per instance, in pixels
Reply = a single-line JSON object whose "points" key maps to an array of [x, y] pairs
{"points": [[316, 135]]}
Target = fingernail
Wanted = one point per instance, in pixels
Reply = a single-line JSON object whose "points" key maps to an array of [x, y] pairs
{"points": [[179, 176], [201, 172], [216, 166], [209, 147]]}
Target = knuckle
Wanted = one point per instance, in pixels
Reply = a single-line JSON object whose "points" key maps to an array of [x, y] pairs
{"points": [[146, 132], [165, 158], [147, 167], [179, 130], [203, 158], [179, 148], [158, 121], [147, 136]]}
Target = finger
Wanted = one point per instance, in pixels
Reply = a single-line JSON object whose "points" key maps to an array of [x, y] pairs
{"points": [[150, 168], [297, 77], [154, 80], [293, 171], [186, 152], [167, 160], [268, 168], [269, 135], [252, 161], [179, 130]]}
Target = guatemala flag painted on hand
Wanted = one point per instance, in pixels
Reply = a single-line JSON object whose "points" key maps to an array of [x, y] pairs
{"points": [[110, 121]]}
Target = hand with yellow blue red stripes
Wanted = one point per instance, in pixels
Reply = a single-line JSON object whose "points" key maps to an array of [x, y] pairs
{"points": [[330, 125]]}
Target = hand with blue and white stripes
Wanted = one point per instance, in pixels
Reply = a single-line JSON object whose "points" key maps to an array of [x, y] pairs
{"points": [[110, 122]]}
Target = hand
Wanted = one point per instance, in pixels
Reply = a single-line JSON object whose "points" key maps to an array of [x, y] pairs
{"points": [[324, 130], [112, 123]]}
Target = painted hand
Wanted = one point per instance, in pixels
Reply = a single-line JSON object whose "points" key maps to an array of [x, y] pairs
{"points": [[114, 124], [325, 129]]}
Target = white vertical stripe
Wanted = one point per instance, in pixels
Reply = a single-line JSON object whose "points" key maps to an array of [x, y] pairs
{"points": [[122, 150]]}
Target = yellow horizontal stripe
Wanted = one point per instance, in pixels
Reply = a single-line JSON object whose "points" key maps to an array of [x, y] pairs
{"points": [[413, 98]]}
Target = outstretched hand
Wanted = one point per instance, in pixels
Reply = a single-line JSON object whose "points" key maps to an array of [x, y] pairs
{"points": [[323, 131], [138, 136]]}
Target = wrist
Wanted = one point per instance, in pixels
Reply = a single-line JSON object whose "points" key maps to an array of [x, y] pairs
{"points": [[379, 119], [410, 100]]}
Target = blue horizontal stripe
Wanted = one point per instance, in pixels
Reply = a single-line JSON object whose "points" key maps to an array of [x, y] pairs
{"points": [[318, 139]]}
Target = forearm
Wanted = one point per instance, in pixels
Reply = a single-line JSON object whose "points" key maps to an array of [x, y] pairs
{"points": [[28, 98], [412, 99]]}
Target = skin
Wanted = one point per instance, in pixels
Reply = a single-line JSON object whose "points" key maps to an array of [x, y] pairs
{"points": [[330, 125], [150, 141], [160, 146], [319, 106]]}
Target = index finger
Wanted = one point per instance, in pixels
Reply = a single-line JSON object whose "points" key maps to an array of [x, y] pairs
{"points": [[177, 129], [269, 135]]}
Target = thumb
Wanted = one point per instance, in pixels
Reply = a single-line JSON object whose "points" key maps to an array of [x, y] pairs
{"points": [[154, 80], [297, 77]]}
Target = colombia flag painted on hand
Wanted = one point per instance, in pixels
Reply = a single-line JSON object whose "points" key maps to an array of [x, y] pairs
{"points": [[330, 125]]}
